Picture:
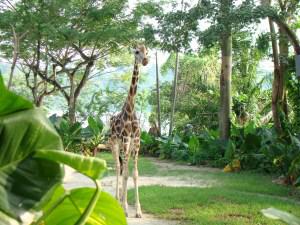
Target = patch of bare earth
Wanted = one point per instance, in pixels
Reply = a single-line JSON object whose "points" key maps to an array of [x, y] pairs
{"points": [[169, 165], [75, 180]]}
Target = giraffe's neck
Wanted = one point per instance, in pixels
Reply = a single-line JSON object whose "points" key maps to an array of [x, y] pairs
{"points": [[130, 101]]}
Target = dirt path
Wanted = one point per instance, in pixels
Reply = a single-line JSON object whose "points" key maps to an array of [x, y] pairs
{"points": [[74, 180]]}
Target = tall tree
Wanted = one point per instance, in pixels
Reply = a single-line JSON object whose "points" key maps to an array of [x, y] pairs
{"points": [[158, 96], [70, 36], [226, 18], [197, 91], [226, 70], [174, 94], [280, 55], [16, 49], [174, 38]]}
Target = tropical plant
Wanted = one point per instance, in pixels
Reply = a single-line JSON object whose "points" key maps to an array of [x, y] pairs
{"points": [[94, 135], [173, 147], [77, 138], [149, 145], [277, 214], [31, 173], [70, 133]]}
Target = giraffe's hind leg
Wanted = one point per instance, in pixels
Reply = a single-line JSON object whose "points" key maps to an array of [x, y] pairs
{"points": [[136, 148]]}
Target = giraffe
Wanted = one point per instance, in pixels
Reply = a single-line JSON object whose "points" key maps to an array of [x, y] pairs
{"points": [[125, 136]]}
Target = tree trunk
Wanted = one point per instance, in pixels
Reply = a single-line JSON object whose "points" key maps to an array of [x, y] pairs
{"points": [[283, 56], [71, 103], [158, 97], [277, 84], [226, 70], [290, 33], [35, 75], [39, 101], [15, 57], [225, 86], [174, 94]]}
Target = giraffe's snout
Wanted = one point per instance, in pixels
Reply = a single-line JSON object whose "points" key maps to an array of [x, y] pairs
{"points": [[145, 62]]}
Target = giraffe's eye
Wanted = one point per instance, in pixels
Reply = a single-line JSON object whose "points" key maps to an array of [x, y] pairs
{"points": [[136, 52]]}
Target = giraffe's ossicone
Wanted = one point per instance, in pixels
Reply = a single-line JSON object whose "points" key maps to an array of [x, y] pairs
{"points": [[125, 136]]}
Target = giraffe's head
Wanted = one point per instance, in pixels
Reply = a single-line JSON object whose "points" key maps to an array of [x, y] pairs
{"points": [[141, 54]]}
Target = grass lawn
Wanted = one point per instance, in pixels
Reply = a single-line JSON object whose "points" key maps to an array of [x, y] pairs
{"points": [[146, 167], [236, 198]]}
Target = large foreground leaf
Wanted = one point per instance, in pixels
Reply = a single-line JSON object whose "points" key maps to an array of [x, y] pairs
{"points": [[24, 181], [277, 214], [89, 166], [107, 210], [10, 102]]}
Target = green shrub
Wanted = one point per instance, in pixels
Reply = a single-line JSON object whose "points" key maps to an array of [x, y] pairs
{"points": [[260, 148], [79, 139], [173, 148], [149, 145], [257, 148]]}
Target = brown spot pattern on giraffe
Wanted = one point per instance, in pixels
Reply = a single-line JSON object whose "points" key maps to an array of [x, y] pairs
{"points": [[134, 80], [128, 108], [131, 90]]}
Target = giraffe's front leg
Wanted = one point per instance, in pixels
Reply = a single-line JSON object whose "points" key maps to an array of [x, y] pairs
{"points": [[126, 148], [115, 151], [135, 178]]}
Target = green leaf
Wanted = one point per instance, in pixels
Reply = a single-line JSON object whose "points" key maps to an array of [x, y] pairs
{"points": [[194, 144], [89, 166], [10, 102], [297, 182], [106, 212], [95, 125], [281, 215], [25, 181]]}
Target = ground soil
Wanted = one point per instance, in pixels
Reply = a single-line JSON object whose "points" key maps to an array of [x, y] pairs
{"points": [[75, 180]]}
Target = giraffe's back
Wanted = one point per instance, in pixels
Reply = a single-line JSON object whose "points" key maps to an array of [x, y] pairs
{"points": [[124, 125]]}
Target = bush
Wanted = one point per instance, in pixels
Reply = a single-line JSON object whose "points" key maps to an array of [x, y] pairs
{"points": [[255, 148], [173, 148], [149, 145], [260, 148], [79, 139]]}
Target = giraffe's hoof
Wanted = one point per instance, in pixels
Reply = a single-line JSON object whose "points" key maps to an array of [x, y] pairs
{"points": [[138, 215]]}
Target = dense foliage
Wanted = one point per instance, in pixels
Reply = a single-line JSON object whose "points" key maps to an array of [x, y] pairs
{"points": [[254, 147]]}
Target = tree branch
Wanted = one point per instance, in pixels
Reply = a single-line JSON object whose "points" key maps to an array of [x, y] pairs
{"points": [[292, 36], [54, 83], [84, 56], [84, 78]]}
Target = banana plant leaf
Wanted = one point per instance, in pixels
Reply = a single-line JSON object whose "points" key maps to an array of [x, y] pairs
{"points": [[91, 167], [277, 214], [30, 173], [10, 102], [25, 182], [106, 212]]}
